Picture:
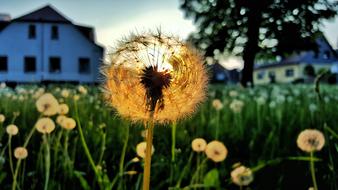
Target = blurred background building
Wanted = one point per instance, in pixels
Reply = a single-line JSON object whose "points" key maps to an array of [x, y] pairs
{"points": [[45, 46]]}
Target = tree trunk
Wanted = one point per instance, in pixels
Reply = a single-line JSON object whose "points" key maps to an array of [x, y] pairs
{"points": [[251, 46]]}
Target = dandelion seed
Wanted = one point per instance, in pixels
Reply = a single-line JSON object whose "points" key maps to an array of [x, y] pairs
{"points": [[198, 145], [68, 123], [63, 109], [20, 153], [12, 130], [136, 159], [47, 104], [131, 172], [155, 77], [45, 125], [242, 176], [141, 149], [310, 140], [216, 151], [217, 104], [2, 118]]}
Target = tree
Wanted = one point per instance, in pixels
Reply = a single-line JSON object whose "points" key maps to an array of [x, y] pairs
{"points": [[257, 28]]}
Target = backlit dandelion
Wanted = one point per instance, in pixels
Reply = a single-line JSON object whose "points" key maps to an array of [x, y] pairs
{"points": [[198, 145], [12, 130], [155, 77], [20, 153], [242, 176], [310, 140], [216, 151], [45, 125], [47, 104], [141, 149]]}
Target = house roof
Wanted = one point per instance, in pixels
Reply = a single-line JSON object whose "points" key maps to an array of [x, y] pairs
{"points": [[308, 57], [48, 14], [44, 14]]}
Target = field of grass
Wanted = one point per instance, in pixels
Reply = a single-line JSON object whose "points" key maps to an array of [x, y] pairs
{"points": [[259, 128]]}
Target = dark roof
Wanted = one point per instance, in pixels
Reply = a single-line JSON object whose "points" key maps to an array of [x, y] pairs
{"points": [[3, 24], [86, 31], [308, 57], [44, 14]]}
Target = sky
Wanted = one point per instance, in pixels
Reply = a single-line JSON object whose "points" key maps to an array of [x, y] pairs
{"points": [[114, 19]]}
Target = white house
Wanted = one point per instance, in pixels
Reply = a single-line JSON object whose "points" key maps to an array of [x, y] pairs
{"points": [[46, 46]]}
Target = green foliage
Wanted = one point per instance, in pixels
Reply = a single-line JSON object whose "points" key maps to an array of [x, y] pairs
{"points": [[211, 179], [262, 136]]}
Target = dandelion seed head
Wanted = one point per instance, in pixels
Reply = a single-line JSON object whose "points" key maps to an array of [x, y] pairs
{"points": [[141, 149], [45, 125], [2, 118], [20, 153], [12, 130], [242, 176], [217, 104], [154, 76], [68, 123], [198, 145], [236, 106], [310, 140], [63, 109], [47, 104], [65, 93], [216, 151]]}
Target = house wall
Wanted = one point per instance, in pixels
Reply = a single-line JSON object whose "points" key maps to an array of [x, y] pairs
{"points": [[280, 73], [70, 46]]}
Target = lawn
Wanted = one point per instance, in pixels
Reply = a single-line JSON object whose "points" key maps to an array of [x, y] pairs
{"points": [[259, 128]]}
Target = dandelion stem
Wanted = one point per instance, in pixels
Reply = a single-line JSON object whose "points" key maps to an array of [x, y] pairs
{"points": [[124, 153], [84, 145], [147, 162], [184, 171], [312, 169], [14, 184], [10, 154], [217, 124], [47, 160], [173, 141]]}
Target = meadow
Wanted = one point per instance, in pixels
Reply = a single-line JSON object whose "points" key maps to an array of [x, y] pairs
{"points": [[97, 149]]}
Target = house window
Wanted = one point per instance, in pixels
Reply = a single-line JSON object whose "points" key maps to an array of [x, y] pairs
{"points": [[30, 64], [84, 65], [54, 65], [3, 64], [289, 72], [55, 33], [327, 55], [260, 75], [32, 31]]}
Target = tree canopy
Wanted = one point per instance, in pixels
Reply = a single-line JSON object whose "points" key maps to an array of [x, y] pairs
{"points": [[261, 28]]}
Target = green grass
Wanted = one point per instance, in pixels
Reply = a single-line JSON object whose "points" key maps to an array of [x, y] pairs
{"points": [[262, 137]]}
